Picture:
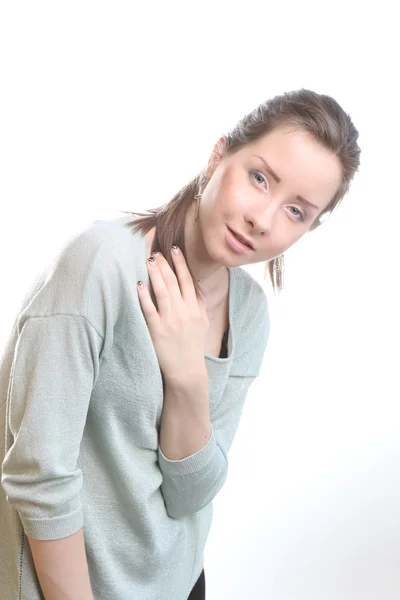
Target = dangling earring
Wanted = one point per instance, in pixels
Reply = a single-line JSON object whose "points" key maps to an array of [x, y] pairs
{"points": [[198, 200]]}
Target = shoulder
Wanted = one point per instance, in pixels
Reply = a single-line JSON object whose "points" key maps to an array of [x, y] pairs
{"points": [[89, 267], [101, 237], [250, 299], [251, 323]]}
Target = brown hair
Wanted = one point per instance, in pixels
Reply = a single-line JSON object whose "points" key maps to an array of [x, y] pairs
{"points": [[317, 114]]}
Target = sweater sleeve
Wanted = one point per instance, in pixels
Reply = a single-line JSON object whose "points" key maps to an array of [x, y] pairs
{"points": [[191, 483], [56, 364]]}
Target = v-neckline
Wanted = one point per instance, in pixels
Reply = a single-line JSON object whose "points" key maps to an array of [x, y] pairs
{"points": [[229, 331], [231, 286]]}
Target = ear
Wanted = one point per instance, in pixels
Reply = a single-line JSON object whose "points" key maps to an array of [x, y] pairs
{"points": [[216, 155]]}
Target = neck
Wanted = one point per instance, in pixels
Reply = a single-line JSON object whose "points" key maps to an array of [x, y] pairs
{"points": [[206, 271]]}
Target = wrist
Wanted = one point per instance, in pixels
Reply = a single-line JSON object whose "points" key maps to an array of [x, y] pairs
{"points": [[188, 379]]}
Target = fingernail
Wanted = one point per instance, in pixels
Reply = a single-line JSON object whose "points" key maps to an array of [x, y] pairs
{"points": [[140, 284], [175, 249], [151, 260]]}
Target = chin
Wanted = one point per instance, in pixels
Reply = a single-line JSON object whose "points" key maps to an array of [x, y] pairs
{"points": [[215, 254]]}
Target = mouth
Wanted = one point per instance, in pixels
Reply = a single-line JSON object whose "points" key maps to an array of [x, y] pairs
{"points": [[242, 239]]}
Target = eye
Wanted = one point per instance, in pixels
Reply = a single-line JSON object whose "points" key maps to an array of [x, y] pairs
{"points": [[258, 178], [299, 216]]}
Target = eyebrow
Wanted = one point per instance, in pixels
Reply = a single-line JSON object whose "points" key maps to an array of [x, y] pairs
{"points": [[278, 180]]}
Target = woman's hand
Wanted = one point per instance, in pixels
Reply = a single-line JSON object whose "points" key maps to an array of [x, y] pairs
{"points": [[178, 326]]}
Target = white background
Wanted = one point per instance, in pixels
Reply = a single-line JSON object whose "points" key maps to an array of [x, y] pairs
{"points": [[112, 106]]}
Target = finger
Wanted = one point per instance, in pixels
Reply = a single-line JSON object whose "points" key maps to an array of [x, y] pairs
{"points": [[149, 310], [183, 274], [170, 279], [159, 287]]}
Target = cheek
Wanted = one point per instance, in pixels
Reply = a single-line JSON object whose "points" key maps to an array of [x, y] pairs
{"points": [[229, 178], [213, 192], [233, 192], [293, 237], [286, 235]]}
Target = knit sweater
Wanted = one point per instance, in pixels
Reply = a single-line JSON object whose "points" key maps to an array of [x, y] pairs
{"points": [[81, 398]]}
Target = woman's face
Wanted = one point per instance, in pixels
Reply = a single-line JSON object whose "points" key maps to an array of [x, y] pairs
{"points": [[255, 192]]}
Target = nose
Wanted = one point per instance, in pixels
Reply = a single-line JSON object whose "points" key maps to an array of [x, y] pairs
{"points": [[261, 218]]}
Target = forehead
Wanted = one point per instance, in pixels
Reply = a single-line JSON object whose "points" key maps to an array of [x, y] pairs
{"points": [[288, 140], [300, 161]]}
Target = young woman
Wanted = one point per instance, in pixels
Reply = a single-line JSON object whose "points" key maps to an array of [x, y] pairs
{"points": [[127, 369]]}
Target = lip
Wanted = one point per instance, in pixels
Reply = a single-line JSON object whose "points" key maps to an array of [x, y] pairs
{"points": [[235, 244], [243, 237]]}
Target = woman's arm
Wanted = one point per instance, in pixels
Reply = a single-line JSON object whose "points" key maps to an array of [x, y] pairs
{"points": [[194, 444], [185, 424], [192, 482], [62, 569]]}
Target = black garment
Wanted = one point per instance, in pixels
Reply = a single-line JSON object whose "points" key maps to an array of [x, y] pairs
{"points": [[199, 590], [224, 345]]}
